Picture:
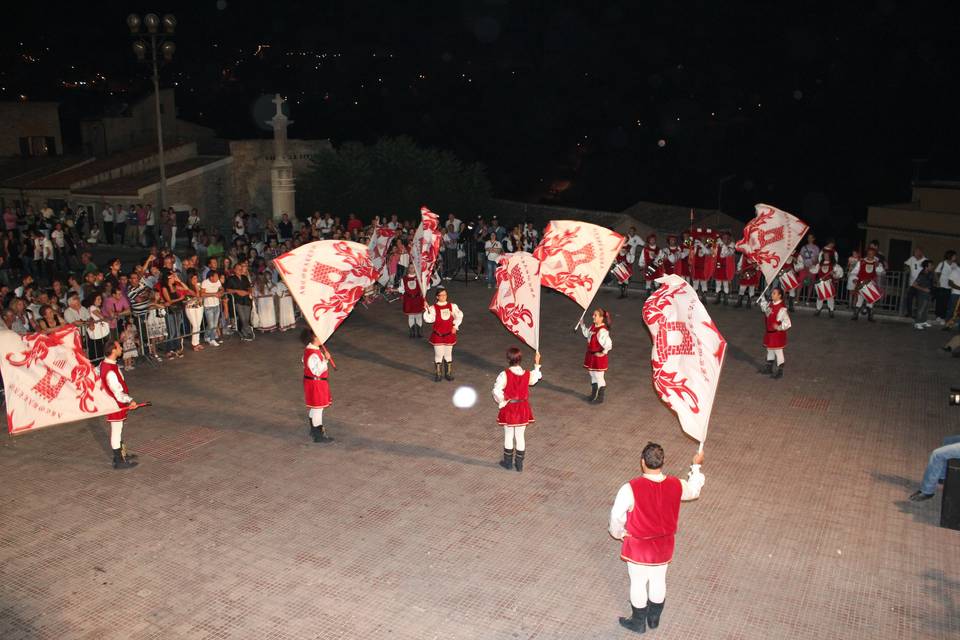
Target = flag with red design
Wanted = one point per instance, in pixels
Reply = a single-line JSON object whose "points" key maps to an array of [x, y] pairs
{"points": [[575, 257], [770, 238], [426, 247], [327, 279], [517, 299], [379, 248], [687, 355], [48, 380]]}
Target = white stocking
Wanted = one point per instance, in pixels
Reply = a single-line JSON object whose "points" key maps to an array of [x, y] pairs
{"points": [[116, 433], [647, 581], [316, 417]]}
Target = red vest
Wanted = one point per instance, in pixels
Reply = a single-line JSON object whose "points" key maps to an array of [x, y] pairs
{"points": [[652, 523], [517, 412], [443, 327], [677, 265], [106, 367], [724, 268], [594, 360], [823, 271], [650, 257], [867, 271], [316, 391], [774, 338], [412, 297]]}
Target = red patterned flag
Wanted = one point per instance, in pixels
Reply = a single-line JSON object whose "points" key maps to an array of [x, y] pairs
{"points": [[687, 354], [327, 279], [770, 238], [426, 247], [48, 380], [517, 300], [575, 257], [379, 247]]}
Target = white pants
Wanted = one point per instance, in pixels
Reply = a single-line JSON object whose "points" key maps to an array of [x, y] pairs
{"points": [[596, 377], [647, 582], [443, 352], [700, 285], [195, 316], [775, 354], [793, 293], [514, 433], [724, 284], [415, 319], [316, 417], [863, 301], [116, 433], [743, 290], [830, 304]]}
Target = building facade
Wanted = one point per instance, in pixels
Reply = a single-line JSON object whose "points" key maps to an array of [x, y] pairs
{"points": [[930, 221]]}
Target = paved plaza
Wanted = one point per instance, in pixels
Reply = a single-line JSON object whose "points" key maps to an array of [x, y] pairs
{"points": [[236, 526]]}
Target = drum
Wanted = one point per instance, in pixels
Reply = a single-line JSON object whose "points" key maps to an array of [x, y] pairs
{"points": [[871, 292], [790, 280], [622, 271], [825, 289]]}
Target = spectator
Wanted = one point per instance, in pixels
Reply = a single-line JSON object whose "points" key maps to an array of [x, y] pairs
{"points": [[49, 320], [131, 233], [115, 307], [98, 329], [936, 471], [354, 225], [921, 287], [913, 269], [238, 285], [23, 322], [954, 282], [172, 222], [120, 224], [107, 216], [173, 293], [193, 307], [130, 341], [8, 320], [211, 291], [77, 315], [215, 248], [493, 249], [193, 225], [150, 227], [285, 228], [942, 292], [142, 225], [139, 296], [450, 241]]}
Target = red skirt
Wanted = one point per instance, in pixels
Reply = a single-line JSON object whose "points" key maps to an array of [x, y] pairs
{"points": [[595, 361], [412, 306], [647, 551], [119, 416], [775, 339], [515, 414], [443, 340], [316, 393]]}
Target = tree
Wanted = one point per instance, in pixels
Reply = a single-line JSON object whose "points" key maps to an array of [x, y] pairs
{"points": [[392, 176]]}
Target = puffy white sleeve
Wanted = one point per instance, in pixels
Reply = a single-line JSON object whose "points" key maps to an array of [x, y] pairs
{"points": [[317, 364], [837, 272], [880, 269], [726, 251], [783, 320], [643, 258], [114, 383], [430, 314], [498, 387], [585, 329], [622, 504], [693, 483], [457, 317], [535, 375], [402, 288], [603, 337]]}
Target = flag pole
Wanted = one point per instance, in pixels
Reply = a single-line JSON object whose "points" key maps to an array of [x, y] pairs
{"points": [[700, 448]]}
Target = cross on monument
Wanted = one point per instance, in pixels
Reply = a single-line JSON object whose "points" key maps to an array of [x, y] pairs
{"points": [[277, 100], [281, 173]]}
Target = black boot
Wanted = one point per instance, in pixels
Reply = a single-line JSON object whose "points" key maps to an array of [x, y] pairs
{"points": [[638, 622], [726, 298], [320, 435], [767, 368], [870, 315], [790, 304], [830, 311], [126, 455], [419, 330], [120, 463], [623, 290], [412, 332], [507, 462], [739, 302], [856, 313], [449, 371], [654, 609], [817, 312], [717, 301], [600, 393], [749, 302], [438, 373], [593, 392], [518, 461], [777, 372]]}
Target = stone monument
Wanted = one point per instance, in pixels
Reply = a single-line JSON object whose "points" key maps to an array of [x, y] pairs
{"points": [[281, 173]]}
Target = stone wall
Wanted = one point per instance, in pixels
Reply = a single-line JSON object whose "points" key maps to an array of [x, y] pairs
{"points": [[27, 119], [252, 161]]}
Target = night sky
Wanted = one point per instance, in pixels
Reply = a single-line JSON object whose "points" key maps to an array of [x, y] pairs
{"points": [[817, 107]]}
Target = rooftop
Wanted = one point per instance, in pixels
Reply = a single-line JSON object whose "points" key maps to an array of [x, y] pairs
{"points": [[131, 185]]}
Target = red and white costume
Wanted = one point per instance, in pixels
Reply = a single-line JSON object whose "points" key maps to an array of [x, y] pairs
{"points": [[446, 319], [748, 276], [644, 516], [674, 257], [795, 272], [703, 262], [826, 274], [651, 261], [316, 388], [413, 302], [111, 381], [777, 322], [867, 274], [724, 266], [596, 359], [511, 391], [623, 266]]}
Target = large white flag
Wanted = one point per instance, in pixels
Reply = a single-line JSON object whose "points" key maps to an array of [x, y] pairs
{"points": [[426, 247], [687, 354], [517, 299], [770, 238], [379, 248], [327, 279], [48, 380], [575, 257]]}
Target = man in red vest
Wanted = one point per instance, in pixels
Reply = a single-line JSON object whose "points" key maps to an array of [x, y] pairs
{"points": [[116, 387], [644, 516]]}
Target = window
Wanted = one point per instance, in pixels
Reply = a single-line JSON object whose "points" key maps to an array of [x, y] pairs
{"points": [[38, 146]]}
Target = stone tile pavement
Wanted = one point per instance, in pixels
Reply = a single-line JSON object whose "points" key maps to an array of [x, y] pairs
{"points": [[235, 526]]}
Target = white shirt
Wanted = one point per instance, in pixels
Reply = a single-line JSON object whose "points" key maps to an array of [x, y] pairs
{"points": [[494, 249], [623, 503], [603, 337], [942, 272], [325, 225], [73, 316], [114, 383], [954, 274], [57, 236], [783, 318], [501, 382], [430, 315], [913, 263], [108, 214], [208, 286], [316, 363]]}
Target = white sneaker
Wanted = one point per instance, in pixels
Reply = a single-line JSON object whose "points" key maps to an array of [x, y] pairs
{"points": [[926, 325], [918, 326], [213, 343], [938, 321]]}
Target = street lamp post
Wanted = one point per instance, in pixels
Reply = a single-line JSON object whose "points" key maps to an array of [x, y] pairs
{"points": [[160, 43]]}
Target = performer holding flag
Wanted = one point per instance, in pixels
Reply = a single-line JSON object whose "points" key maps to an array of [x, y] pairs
{"points": [[446, 318], [596, 359], [511, 391], [770, 240], [316, 388], [113, 383], [775, 338], [413, 302]]}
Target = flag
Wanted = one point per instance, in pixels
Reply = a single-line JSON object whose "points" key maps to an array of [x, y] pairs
{"points": [[48, 380], [687, 353], [426, 247], [770, 238], [327, 279], [517, 299], [575, 258], [379, 248]]}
